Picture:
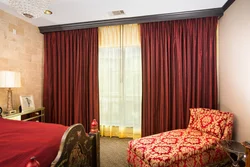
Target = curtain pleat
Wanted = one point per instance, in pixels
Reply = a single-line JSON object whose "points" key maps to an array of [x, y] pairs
{"points": [[71, 92], [178, 72]]}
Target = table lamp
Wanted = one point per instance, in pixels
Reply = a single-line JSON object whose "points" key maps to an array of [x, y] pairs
{"points": [[9, 79]]}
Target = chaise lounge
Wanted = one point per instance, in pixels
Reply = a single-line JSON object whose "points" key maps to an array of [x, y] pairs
{"points": [[196, 146]]}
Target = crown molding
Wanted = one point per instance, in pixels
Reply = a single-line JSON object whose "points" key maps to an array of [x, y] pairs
{"points": [[227, 5], [140, 19]]}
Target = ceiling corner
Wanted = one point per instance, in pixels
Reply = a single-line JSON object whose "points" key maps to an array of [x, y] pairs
{"points": [[227, 5]]}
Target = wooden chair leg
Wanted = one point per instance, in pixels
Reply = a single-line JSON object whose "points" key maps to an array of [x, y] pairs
{"points": [[247, 145]]}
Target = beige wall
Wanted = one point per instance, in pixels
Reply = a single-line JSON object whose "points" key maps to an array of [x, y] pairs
{"points": [[21, 52], [234, 66]]}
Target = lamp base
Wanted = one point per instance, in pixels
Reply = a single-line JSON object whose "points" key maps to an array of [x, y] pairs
{"points": [[9, 112]]}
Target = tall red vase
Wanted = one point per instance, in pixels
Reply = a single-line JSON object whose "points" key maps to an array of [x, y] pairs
{"points": [[94, 126]]}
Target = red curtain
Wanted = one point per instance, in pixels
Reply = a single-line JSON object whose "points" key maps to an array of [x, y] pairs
{"points": [[71, 77], [178, 72]]}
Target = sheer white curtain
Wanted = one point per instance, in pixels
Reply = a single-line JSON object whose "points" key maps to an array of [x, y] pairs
{"points": [[120, 80]]}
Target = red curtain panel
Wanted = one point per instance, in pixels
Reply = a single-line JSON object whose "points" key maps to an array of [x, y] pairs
{"points": [[70, 93], [178, 72]]}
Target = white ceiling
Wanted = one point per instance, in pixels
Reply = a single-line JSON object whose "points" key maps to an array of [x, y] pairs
{"points": [[73, 11]]}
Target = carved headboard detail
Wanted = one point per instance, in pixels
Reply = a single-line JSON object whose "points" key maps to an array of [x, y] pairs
{"points": [[77, 149]]}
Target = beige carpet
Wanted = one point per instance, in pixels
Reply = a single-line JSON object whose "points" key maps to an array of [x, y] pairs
{"points": [[113, 152]]}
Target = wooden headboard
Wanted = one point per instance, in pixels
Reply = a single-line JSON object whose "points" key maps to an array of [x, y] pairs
{"points": [[78, 148]]}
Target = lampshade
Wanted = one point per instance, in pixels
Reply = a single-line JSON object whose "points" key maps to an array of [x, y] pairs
{"points": [[10, 79], [30, 8]]}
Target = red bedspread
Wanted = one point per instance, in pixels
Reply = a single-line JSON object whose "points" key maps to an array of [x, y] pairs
{"points": [[21, 140]]}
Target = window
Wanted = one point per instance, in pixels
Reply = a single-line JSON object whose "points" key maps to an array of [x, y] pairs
{"points": [[120, 80]]}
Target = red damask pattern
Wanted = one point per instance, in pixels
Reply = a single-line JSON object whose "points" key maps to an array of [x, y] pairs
{"points": [[172, 146], [184, 147], [196, 160], [210, 121]]}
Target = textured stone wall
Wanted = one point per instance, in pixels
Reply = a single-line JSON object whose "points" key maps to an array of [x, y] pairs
{"points": [[21, 49]]}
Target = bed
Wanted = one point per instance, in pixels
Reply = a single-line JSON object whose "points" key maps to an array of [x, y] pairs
{"points": [[52, 144], [195, 146]]}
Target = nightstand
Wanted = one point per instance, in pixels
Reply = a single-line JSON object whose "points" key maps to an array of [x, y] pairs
{"points": [[37, 114]]}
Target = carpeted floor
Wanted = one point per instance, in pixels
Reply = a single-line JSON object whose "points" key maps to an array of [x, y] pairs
{"points": [[113, 152]]}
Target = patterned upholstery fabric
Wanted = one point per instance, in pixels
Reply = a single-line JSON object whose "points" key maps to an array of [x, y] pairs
{"points": [[196, 160], [210, 121], [189, 147]]}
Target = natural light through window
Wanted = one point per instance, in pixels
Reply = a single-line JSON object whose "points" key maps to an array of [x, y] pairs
{"points": [[120, 82]]}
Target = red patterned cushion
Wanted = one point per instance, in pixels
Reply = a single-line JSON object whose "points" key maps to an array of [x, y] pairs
{"points": [[168, 147], [193, 117], [210, 156], [210, 121]]}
